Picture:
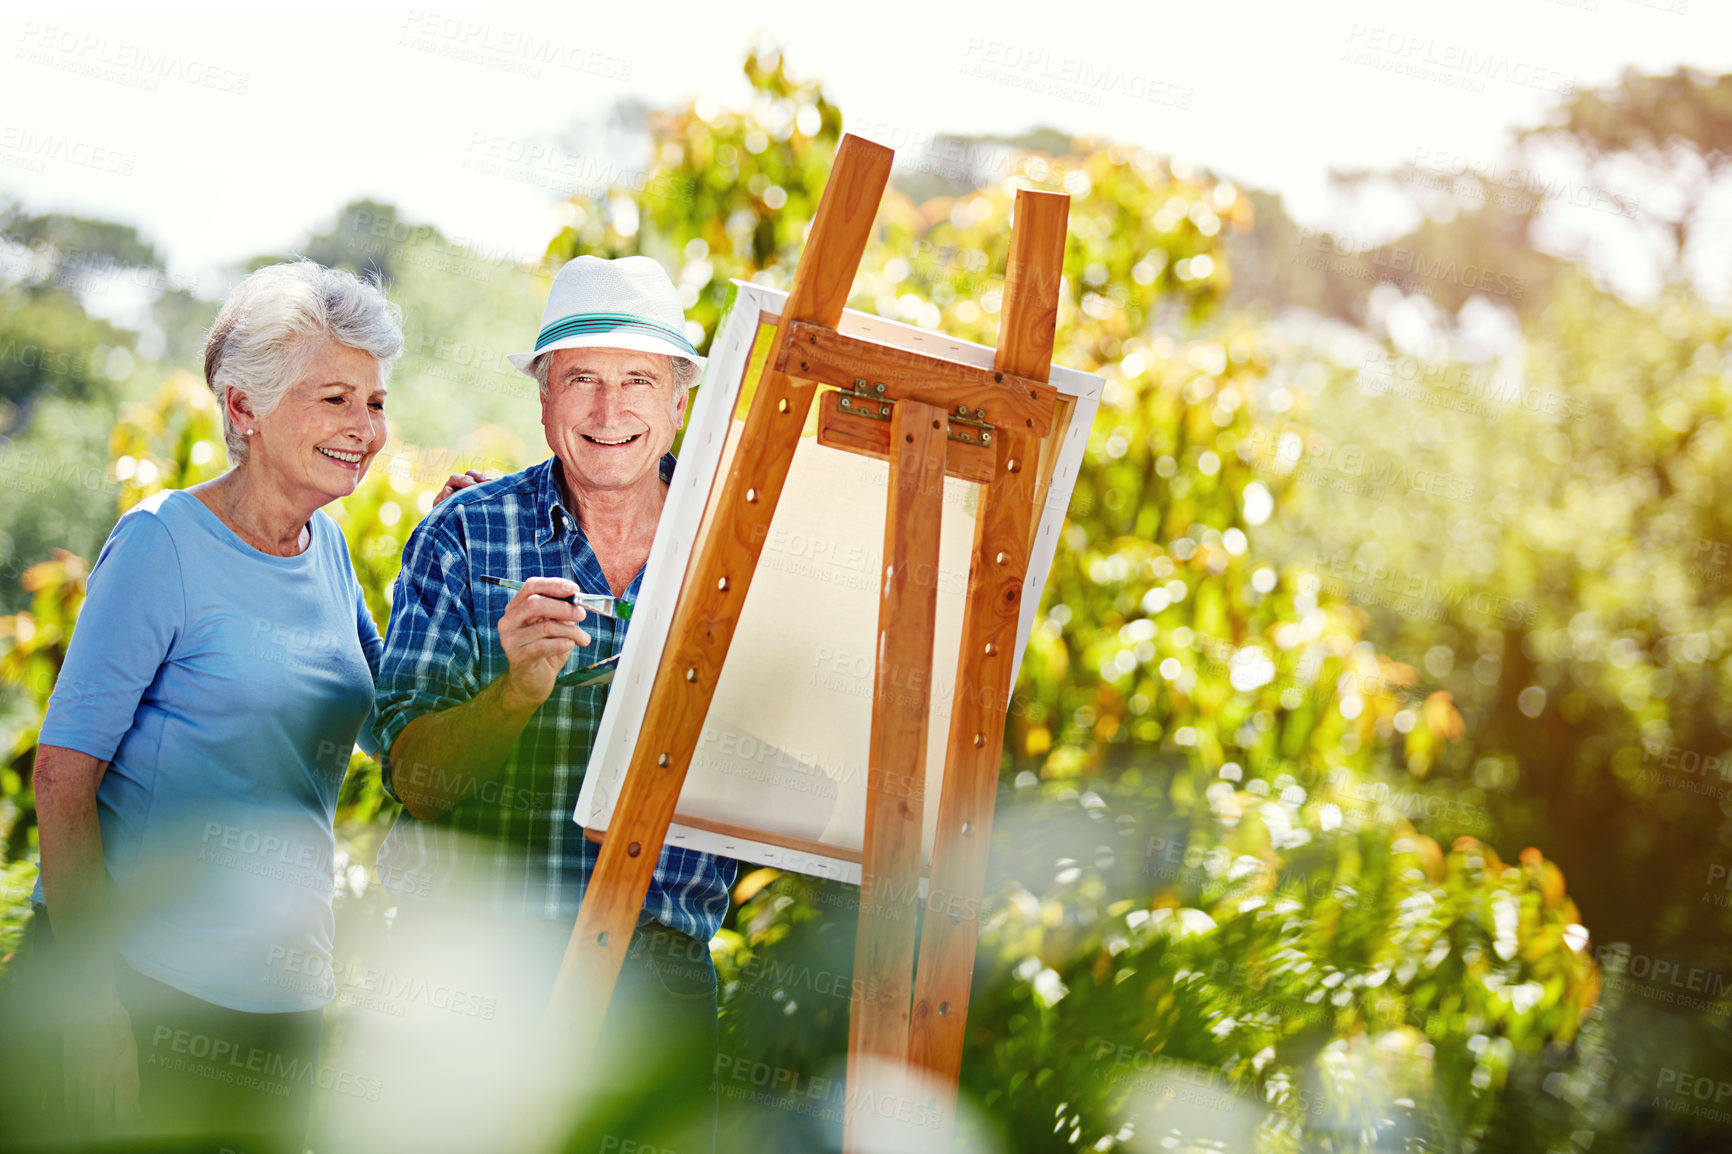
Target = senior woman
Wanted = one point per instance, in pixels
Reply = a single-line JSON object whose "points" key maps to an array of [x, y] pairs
{"points": [[189, 763]]}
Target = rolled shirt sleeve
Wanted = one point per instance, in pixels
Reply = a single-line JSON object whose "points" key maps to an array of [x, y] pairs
{"points": [[430, 649]]}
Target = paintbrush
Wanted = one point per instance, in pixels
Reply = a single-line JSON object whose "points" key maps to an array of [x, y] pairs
{"points": [[616, 607]]}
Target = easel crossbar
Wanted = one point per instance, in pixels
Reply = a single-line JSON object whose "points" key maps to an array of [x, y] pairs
{"points": [[1001, 399]]}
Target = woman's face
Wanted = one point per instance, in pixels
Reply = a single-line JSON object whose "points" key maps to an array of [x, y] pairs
{"points": [[318, 442]]}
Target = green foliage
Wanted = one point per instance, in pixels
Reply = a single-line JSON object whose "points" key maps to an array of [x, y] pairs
{"points": [[79, 245], [728, 196], [1247, 888], [49, 347], [32, 650], [1590, 666], [1176, 683]]}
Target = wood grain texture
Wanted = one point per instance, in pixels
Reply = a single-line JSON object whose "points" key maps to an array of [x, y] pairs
{"points": [[704, 619], [1003, 531], [857, 434], [1028, 318], [1048, 450], [999, 397], [896, 761]]}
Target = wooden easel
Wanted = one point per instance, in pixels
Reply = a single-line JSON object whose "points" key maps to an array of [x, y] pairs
{"points": [[929, 418]]}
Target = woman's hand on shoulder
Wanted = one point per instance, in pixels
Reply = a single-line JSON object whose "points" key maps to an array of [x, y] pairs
{"points": [[461, 481]]}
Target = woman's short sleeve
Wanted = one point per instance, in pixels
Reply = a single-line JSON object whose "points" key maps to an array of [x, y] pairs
{"points": [[134, 609]]}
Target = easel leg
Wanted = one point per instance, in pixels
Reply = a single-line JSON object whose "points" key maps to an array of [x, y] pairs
{"points": [[708, 610], [896, 774], [959, 852], [989, 635]]}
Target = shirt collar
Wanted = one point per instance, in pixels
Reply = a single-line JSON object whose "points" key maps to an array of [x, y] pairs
{"points": [[554, 518]]}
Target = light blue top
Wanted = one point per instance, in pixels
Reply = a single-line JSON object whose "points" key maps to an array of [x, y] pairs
{"points": [[226, 688]]}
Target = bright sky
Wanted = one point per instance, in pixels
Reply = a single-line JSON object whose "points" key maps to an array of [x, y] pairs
{"points": [[225, 133]]}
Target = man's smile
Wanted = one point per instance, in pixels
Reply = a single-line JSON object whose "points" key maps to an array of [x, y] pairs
{"points": [[610, 442]]}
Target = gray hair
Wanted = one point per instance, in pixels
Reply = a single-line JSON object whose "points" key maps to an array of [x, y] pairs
{"points": [[265, 333], [685, 372]]}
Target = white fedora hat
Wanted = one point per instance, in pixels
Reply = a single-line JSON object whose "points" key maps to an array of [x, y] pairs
{"points": [[627, 303]]}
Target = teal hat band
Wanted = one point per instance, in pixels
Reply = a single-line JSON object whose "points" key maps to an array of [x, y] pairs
{"points": [[582, 324]]}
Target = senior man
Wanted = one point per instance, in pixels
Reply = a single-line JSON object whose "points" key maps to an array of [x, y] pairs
{"points": [[481, 697]]}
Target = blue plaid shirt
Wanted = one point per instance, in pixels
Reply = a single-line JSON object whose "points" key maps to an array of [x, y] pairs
{"points": [[513, 836]]}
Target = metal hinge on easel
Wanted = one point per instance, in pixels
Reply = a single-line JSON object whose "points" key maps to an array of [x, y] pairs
{"points": [[970, 430], [869, 401], [864, 401]]}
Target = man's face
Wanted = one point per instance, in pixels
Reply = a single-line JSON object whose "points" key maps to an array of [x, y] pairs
{"points": [[610, 414]]}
